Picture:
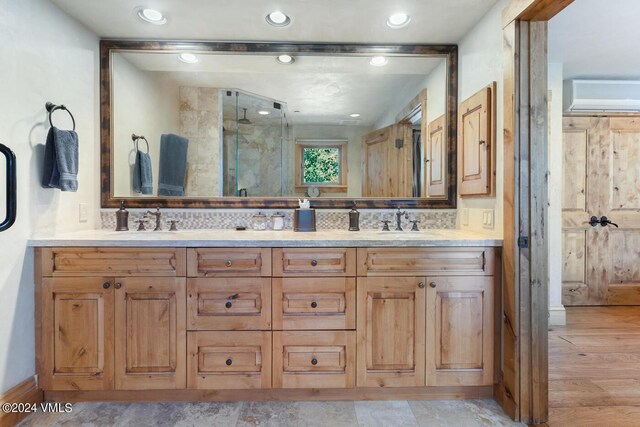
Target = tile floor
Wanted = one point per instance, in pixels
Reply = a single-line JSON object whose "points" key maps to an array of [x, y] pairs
{"points": [[469, 413]]}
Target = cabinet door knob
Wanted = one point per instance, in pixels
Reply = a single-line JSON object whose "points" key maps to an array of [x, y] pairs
{"points": [[229, 362], [314, 304], [106, 285], [314, 361], [229, 263], [118, 285], [421, 285], [228, 304], [314, 262], [432, 284], [481, 142]]}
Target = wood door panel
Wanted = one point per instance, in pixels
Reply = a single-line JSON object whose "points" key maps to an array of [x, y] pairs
{"points": [[229, 360], [437, 155], [390, 328], [77, 334], [459, 332], [314, 359], [574, 189], [150, 330], [625, 180], [375, 146], [229, 303]]}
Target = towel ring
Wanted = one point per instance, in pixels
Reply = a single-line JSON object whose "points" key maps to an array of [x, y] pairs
{"points": [[51, 107], [137, 138]]}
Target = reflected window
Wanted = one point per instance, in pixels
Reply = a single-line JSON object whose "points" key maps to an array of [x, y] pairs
{"points": [[321, 163]]}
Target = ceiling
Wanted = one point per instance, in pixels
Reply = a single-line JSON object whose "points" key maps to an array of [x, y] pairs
{"points": [[324, 89], [597, 39], [363, 21]]}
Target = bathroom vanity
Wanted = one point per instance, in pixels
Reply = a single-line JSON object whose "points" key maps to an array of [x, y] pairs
{"points": [[225, 315]]}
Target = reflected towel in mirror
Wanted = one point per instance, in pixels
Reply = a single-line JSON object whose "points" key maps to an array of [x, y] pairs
{"points": [[61, 160], [173, 165], [142, 174]]}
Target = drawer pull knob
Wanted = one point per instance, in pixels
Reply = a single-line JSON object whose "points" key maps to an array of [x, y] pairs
{"points": [[106, 285], [314, 262], [314, 361], [421, 285], [229, 362], [118, 285], [314, 304], [228, 304], [432, 284], [229, 263]]}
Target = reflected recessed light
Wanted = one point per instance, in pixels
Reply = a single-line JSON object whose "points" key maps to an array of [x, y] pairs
{"points": [[398, 20], [354, 115], [296, 111], [285, 59], [378, 61], [188, 58], [152, 16], [278, 19], [264, 112]]}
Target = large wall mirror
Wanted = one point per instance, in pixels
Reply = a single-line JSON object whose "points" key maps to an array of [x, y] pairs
{"points": [[204, 124]]}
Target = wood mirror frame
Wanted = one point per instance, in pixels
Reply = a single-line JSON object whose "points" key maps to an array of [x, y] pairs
{"points": [[448, 52]]}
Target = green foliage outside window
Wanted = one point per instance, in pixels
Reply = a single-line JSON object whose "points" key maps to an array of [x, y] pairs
{"points": [[321, 165]]}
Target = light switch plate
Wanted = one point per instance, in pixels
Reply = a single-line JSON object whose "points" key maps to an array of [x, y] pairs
{"points": [[464, 216], [83, 213], [487, 219]]}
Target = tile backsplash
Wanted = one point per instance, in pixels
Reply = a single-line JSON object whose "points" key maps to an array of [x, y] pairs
{"points": [[326, 219]]}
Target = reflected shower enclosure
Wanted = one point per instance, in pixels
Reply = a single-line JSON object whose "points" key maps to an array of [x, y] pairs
{"points": [[254, 132]]}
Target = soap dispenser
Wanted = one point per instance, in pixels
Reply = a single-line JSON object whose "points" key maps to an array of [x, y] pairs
{"points": [[354, 219], [122, 218]]}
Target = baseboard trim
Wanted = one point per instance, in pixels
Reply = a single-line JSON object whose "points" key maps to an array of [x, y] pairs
{"points": [[405, 393], [557, 316], [25, 392]]}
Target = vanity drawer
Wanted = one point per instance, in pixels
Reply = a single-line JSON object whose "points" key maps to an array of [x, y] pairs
{"points": [[228, 360], [426, 261], [224, 304], [229, 262], [121, 262], [308, 262], [314, 303], [314, 359]]}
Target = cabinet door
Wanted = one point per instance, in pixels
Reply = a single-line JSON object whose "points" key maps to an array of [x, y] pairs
{"points": [[476, 144], [77, 334], [391, 331], [460, 331], [150, 333], [436, 169]]}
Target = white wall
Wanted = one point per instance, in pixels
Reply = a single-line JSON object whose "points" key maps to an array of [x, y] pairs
{"points": [[555, 195], [436, 84], [144, 103], [46, 56], [480, 64]]}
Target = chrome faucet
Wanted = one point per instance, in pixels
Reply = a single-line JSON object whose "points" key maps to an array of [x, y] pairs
{"points": [[158, 215], [399, 214]]}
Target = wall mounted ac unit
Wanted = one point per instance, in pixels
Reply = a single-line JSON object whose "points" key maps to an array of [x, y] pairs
{"points": [[601, 95]]}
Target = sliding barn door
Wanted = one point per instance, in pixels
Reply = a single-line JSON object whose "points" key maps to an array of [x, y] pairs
{"points": [[387, 156], [602, 179]]}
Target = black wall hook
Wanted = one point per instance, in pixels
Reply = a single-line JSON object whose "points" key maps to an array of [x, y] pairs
{"points": [[51, 107]]}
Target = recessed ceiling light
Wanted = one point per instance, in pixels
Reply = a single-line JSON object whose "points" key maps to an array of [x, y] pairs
{"points": [[188, 58], [264, 112], [398, 20], [152, 16], [378, 61], [285, 59], [354, 115], [278, 19]]}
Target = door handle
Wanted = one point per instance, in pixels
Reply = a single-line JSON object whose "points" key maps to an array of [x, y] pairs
{"points": [[12, 202], [594, 221], [604, 221]]}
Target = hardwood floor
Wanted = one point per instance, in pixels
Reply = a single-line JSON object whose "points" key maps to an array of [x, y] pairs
{"points": [[594, 368]]}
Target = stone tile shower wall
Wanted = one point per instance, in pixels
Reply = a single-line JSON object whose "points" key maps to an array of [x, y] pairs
{"points": [[195, 219], [200, 121]]}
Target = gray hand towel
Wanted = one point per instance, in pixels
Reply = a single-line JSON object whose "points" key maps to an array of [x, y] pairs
{"points": [[61, 160], [173, 165], [142, 174]]}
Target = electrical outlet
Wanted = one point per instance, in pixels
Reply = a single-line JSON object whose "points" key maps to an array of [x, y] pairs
{"points": [[487, 219], [465, 216], [83, 213]]}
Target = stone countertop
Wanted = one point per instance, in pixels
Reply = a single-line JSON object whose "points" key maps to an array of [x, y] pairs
{"points": [[249, 238]]}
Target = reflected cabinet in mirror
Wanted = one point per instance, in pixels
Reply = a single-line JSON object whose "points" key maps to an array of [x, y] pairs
{"points": [[207, 124]]}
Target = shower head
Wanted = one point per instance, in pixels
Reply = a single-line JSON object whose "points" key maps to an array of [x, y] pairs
{"points": [[244, 120]]}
